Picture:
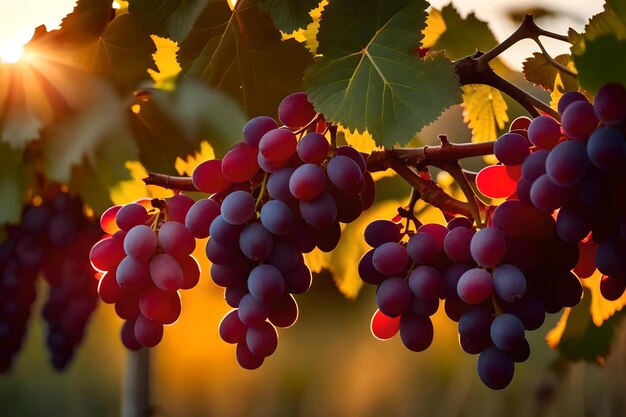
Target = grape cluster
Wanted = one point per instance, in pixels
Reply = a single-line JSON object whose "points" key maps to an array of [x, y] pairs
{"points": [[578, 168], [279, 193], [52, 238], [145, 261], [497, 283]]}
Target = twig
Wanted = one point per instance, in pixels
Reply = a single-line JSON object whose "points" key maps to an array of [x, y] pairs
{"points": [[170, 182]]}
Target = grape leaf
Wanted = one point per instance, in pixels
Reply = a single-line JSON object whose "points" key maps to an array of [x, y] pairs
{"points": [[171, 19], [435, 26], [369, 77], [601, 309], [603, 61], [463, 36], [12, 184], [168, 124], [576, 337], [288, 15], [598, 52], [165, 60], [484, 111], [240, 52], [539, 71]]}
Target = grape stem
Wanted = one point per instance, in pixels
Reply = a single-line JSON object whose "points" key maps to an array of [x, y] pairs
{"points": [[170, 182]]}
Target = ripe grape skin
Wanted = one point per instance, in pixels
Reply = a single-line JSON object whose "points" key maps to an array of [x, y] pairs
{"points": [[284, 312], [535, 165], [520, 123], [246, 359], [511, 149], [128, 336], [416, 332], [393, 296], [507, 332], [109, 290], [319, 212], [509, 283], [278, 145], [343, 172], [147, 332], [568, 98], [256, 242], [548, 196], [284, 257], [252, 311], [457, 244], [238, 207], [131, 215], [488, 247], [437, 231], [132, 273], [567, 163], [224, 232], [426, 283], [313, 148], [606, 148], [610, 104], [367, 271], [278, 184], [233, 295], [422, 248], [200, 216], [178, 207], [574, 222], [529, 309], [262, 339], [610, 258], [163, 307], [240, 164], [209, 178], [295, 111], [475, 286], [166, 273], [298, 281], [475, 323], [175, 239], [544, 132], [353, 154], [266, 283], [271, 166], [612, 287], [255, 128], [384, 327], [495, 368], [140, 242], [579, 120], [191, 271], [381, 231], [230, 274], [307, 182], [390, 258], [460, 222], [231, 329], [277, 217]]}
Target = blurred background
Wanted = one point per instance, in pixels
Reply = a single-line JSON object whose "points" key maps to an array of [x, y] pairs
{"points": [[328, 364]]}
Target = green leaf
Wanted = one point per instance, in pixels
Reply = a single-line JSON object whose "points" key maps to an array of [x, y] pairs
{"points": [[12, 185], [171, 124], [581, 339], [463, 37], [370, 77], [538, 70], [168, 18], [598, 52], [241, 53], [288, 15], [602, 62]]}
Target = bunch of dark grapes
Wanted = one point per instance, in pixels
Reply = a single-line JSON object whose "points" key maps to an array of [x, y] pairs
{"points": [[281, 192], [497, 283], [53, 238], [145, 261], [578, 168], [72, 296]]}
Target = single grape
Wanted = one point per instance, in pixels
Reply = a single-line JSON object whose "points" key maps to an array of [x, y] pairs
{"points": [[295, 111], [606, 148], [262, 339], [200, 216], [544, 132], [511, 149], [568, 98], [166, 273], [475, 286], [256, 242], [224, 232], [147, 332], [457, 244], [507, 332], [240, 164], [209, 178], [319, 212], [266, 283], [610, 104], [509, 283], [548, 196], [313, 148], [247, 359], [298, 281], [132, 273], [140, 242], [382, 231], [277, 217], [475, 323], [488, 247], [535, 165], [393, 296], [612, 287], [495, 368], [284, 312], [307, 182], [579, 120], [238, 207], [256, 127], [278, 145], [343, 172], [131, 215], [178, 207], [416, 332], [252, 311], [231, 329], [384, 327], [426, 283], [160, 306], [390, 258], [422, 248], [175, 239], [278, 184], [567, 163]]}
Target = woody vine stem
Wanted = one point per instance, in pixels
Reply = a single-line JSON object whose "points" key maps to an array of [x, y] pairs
{"points": [[473, 69]]}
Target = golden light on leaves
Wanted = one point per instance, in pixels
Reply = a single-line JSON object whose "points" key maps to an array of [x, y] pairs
{"points": [[554, 336], [601, 309], [165, 60], [484, 110], [435, 26], [308, 35]]}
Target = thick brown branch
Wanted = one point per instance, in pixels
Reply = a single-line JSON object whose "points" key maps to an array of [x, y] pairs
{"points": [[429, 155], [170, 182], [429, 191]]}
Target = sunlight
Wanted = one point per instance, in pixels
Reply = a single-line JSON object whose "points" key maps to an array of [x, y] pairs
{"points": [[10, 54]]}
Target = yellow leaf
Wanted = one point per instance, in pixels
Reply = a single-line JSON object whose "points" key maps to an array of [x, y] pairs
{"points": [[186, 166], [554, 336], [130, 190], [601, 309], [484, 110], [165, 60], [308, 35], [343, 262], [435, 26]]}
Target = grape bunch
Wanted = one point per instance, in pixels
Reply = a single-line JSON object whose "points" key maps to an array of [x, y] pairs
{"points": [[51, 239], [145, 261], [279, 193], [578, 168], [496, 282]]}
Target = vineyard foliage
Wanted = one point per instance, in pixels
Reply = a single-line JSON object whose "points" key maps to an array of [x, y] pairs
{"points": [[116, 93]]}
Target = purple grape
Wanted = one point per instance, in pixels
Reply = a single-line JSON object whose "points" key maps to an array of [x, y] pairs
{"points": [[422, 248], [307, 182], [353, 154], [544, 132], [393, 297], [284, 257], [319, 212], [390, 258], [426, 283], [278, 184], [313, 148], [252, 311], [475, 323], [225, 233], [256, 127], [367, 271], [457, 244], [246, 359], [416, 332], [200, 216], [509, 283], [262, 339], [579, 120], [298, 281], [574, 222], [266, 283], [567, 163], [535, 165], [610, 104], [548, 196], [382, 231], [231, 329], [511, 149], [507, 332], [460, 222], [277, 217], [606, 148], [495, 368], [568, 98], [133, 273], [175, 239], [343, 172], [284, 312], [475, 286], [238, 207], [488, 247]]}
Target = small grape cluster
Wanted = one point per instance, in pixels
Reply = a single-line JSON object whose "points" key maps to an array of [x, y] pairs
{"points": [[497, 283], [144, 262], [275, 197], [578, 168], [52, 238]]}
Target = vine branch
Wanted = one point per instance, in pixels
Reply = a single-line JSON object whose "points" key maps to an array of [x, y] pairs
{"points": [[170, 182]]}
